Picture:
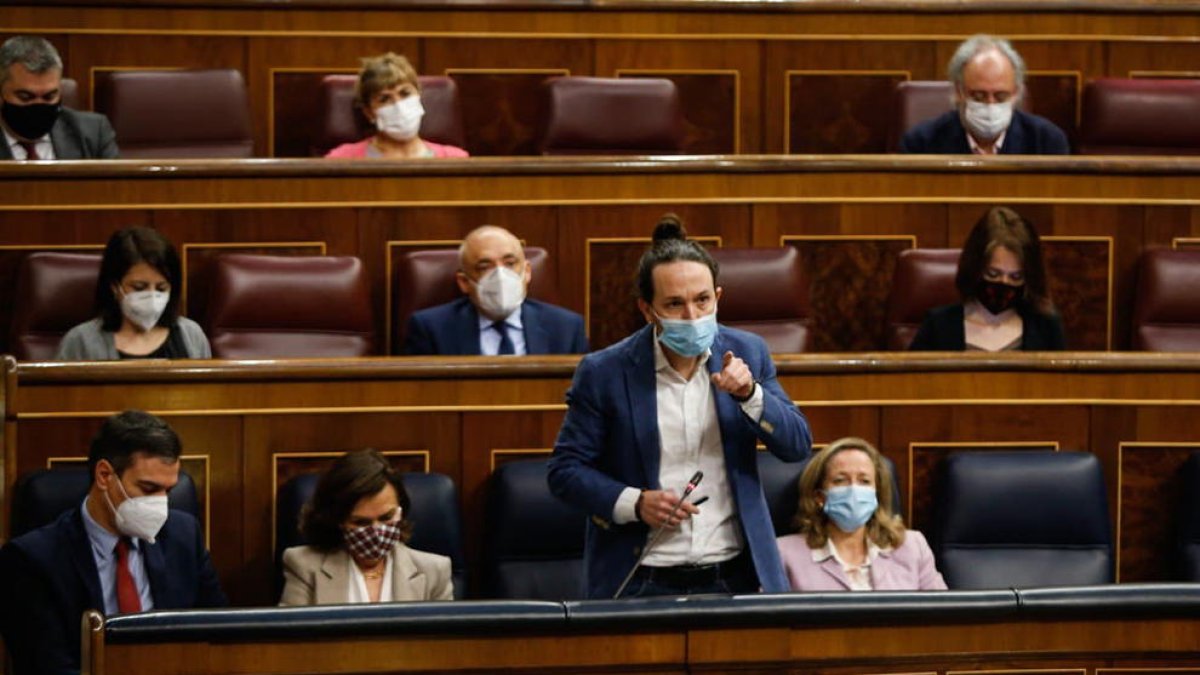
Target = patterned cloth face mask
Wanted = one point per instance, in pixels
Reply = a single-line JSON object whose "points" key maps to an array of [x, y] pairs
{"points": [[372, 542]]}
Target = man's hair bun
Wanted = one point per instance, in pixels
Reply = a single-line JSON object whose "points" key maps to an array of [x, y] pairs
{"points": [[669, 228]]}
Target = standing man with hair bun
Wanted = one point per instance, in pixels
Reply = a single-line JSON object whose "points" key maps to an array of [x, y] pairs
{"points": [[680, 399]]}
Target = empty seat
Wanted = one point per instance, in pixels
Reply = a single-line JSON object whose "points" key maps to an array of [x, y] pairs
{"points": [[611, 116], [43, 495], [434, 514], [1188, 538], [1022, 519], [1140, 117], [425, 278], [924, 279], [534, 548], [54, 293], [342, 122], [177, 114], [264, 306], [764, 292], [1166, 310], [781, 487]]}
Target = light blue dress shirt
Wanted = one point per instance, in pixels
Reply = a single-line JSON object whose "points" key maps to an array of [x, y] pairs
{"points": [[489, 338]]}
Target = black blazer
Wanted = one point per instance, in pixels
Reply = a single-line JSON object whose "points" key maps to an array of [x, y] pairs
{"points": [[453, 329], [79, 135], [945, 135], [48, 579], [944, 331]]}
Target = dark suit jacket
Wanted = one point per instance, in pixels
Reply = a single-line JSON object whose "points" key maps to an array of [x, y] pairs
{"points": [[79, 135], [943, 330], [452, 329], [48, 579], [609, 441], [945, 135]]}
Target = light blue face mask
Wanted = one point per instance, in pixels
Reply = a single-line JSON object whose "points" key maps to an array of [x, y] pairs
{"points": [[850, 506], [688, 337]]}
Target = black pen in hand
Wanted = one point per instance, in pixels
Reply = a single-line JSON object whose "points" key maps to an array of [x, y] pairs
{"points": [[700, 501]]}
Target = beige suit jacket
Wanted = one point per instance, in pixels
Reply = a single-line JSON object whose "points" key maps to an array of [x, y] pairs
{"points": [[314, 577]]}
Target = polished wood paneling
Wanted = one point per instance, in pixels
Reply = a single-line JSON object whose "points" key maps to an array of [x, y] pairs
{"points": [[1149, 478], [832, 111]]}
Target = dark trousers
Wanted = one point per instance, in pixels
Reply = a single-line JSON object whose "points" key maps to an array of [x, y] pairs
{"points": [[733, 576]]}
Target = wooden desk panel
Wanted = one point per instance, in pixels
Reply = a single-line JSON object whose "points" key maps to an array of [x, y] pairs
{"points": [[848, 216], [257, 424]]}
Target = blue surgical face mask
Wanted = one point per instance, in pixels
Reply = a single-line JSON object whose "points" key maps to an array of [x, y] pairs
{"points": [[850, 506], [688, 337]]}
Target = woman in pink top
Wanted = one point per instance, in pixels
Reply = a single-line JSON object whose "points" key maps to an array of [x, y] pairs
{"points": [[390, 96], [849, 538]]}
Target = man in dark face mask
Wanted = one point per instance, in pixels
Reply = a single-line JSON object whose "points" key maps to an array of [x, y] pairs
{"points": [[36, 126]]}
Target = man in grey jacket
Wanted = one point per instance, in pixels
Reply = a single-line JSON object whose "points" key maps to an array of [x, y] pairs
{"points": [[34, 122]]}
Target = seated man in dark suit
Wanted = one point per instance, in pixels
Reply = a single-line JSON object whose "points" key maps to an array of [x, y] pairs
{"points": [[494, 317], [989, 80], [34, 121], [121, 551]]}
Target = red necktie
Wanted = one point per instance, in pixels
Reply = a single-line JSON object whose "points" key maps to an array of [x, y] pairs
{"points": [[30, 149], [128, 601]]}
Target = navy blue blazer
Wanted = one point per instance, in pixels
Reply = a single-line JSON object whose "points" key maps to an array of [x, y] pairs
{"points": [[452, 329], [48, 579], [945, 135], [609, 441]]}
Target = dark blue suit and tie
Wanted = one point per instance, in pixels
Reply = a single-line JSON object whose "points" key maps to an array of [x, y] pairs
{"points": [[609, 440], [48, 579], [452, 329], [945, 135]]}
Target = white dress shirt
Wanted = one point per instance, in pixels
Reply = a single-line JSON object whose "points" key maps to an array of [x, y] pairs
{"points": [[358, 584], [689, 434], [489, 338], [976, 150], [43, 147], [104, 552]]}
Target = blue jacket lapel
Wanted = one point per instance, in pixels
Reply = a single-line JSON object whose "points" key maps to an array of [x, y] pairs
{"points": [[537, 341], [156, 570], [85, 563], [466, 327], [641, 382], [728, 410]]}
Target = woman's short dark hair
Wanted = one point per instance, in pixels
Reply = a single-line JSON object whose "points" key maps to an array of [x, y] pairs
{"points": [[125, 249], [1001, 226], [354, 476], [670, 245]]}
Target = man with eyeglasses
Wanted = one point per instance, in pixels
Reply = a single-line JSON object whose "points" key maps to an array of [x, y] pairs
{"points": [[494, 317], [989, 81]]}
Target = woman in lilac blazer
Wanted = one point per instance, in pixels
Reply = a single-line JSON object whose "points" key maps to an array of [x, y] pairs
{"points": [[849, 539]]}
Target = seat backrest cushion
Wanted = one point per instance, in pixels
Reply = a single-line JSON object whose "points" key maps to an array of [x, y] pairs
{"points": [[265, 306], [599, 115], [178, 113], [1148, 116], [433, 512], [1188, 538], [1166, 313], [342, 122], [1021, 519], [54, 293], [764, 292], [425, 278], [534, 541], [924, 279], [44, 494]]}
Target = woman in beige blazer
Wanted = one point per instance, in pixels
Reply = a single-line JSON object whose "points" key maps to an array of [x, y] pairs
{"points": [[357, 532]]}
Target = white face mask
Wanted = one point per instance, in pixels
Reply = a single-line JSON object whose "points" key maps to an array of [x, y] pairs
{"points": [[140, 517], [401, 120], [144, 308], [500, 293], [986, 121]]}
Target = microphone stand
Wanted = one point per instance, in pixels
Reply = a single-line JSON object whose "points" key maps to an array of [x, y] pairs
{"points": [[659, 533]]}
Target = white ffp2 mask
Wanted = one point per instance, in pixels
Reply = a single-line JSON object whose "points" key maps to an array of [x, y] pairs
{"points": [[144, 308], [140, 517], [501, 292]]}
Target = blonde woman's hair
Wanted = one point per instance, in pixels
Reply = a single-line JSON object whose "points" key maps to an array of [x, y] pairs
{"points": [[383, 72], [884, 528]]}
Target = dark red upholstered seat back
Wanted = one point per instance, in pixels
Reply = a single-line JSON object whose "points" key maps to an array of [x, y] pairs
{"points": [[54, 292], [175, 114], [765, 292], [425, 278], [70, 93], [265, 306], [1140, 117], [1166, 312], [602, 115], [924, 279], [342, 122]]}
